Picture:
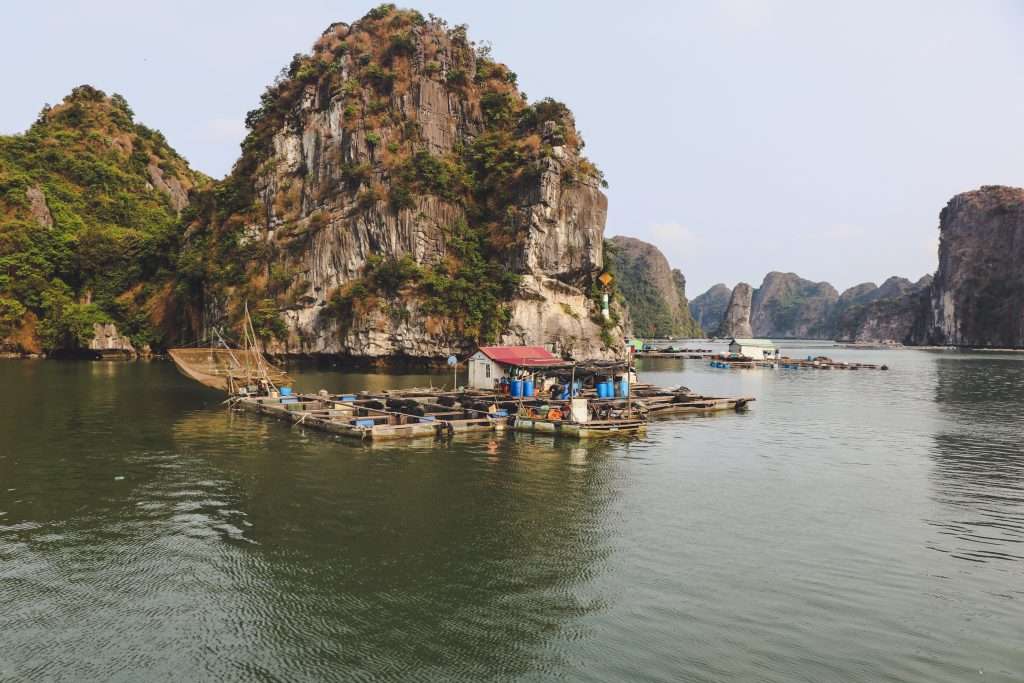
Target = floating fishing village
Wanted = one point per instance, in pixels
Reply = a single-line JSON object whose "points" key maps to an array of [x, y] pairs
{"points": [[521, 388], [747, 353]]}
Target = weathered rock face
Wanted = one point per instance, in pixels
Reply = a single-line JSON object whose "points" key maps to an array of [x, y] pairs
{"points": [[175, 188], [887, 314], [107, 341], [786, 305], [977, 298], [410, 203], [38, 207], [858, 294], [655, 294], [708, 309], [736, 321]]}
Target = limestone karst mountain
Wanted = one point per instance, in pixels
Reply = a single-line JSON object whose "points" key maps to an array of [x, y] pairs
{"points": [[708, 309], [655, 293], [736, 321], [890, 313], [89, 223], [397, 195], [977, 298], [787, 306]]}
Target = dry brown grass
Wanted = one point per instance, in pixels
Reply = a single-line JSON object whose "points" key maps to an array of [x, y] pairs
{"points": [[531, 144], [24, 337], [434, 325], [160, 308]]}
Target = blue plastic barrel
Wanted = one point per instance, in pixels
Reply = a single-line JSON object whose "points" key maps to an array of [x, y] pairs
{"points": [[528, 387], [624, 388], [515, 388], [609, 388], [286, 391], [599, 386]]}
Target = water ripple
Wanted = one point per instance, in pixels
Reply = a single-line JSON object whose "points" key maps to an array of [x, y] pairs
{"points": [[850, 526]]}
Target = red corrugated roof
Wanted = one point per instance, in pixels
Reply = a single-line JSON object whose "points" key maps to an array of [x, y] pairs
{"points": [[522, 356]]}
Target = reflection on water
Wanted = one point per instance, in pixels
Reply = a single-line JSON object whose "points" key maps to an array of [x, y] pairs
{"points": [[147, 532], [285, 551], [979, 457]]}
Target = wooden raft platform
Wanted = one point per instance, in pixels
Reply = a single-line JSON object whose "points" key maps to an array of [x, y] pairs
{"points": [[356, 419], [784, 362], [592, 429], [431, 413]]}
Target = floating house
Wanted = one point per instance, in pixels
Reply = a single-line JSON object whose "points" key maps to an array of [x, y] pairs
{"points": [[490, 363], [757, 349]]}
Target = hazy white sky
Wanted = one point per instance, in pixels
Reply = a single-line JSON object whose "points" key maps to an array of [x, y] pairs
{"points": [[739, 136]]}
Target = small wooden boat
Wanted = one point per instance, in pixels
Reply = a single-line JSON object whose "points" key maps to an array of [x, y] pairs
{"points": [[235, 371], [225, 369]]}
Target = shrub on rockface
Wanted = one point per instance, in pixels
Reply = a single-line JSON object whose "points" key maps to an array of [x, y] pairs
{"points": [[468, 288]]}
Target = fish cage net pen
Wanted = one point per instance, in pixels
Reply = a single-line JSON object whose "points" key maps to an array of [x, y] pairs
{"points": [[395, 412]]}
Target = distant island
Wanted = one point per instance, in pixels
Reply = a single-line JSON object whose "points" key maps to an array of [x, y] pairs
{"points": [[974, 299]]}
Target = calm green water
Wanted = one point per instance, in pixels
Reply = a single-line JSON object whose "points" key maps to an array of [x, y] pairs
{"points": [[853, 526]]}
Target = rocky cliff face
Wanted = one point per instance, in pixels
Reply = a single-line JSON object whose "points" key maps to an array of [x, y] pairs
{"points": [[786, 305], [655, 294], [977, 298], [736, 321], [888, 314], [708, 309], [107, 341], [397, 196]]}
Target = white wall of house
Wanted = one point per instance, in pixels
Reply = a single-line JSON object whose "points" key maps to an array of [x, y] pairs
{"points": [[483, 372], [752, 349]]}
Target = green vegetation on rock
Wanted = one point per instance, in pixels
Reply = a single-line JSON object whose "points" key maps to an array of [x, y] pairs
{"points": [[655, 295], [388, 170], [89, 204]]}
